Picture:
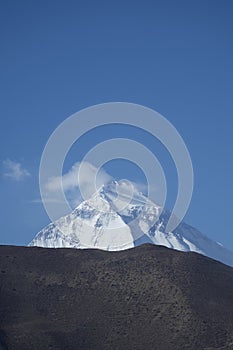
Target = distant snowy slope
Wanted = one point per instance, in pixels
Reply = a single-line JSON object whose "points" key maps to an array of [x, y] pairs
{"points": [[111, 220]]}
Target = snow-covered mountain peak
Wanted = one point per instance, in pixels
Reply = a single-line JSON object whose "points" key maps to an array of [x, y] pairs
{"points": [[123, 189], [124, 197], [117, 217]]}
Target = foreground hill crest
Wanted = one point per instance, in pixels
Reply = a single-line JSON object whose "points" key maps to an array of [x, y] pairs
{"points": [[148, 297]]}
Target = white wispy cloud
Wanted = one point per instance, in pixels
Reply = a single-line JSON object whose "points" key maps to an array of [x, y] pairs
{"points": [[48, 200], [71, 183], [70, 180], [14, 170]]}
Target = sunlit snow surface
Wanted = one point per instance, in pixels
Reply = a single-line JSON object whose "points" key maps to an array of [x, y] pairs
{"points": [[112, 220]]}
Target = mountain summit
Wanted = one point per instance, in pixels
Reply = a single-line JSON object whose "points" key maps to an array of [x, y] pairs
{"points": [[119, 217]]}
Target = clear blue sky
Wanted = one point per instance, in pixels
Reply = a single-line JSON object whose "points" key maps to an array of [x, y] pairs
{"points": [[58, 57]]}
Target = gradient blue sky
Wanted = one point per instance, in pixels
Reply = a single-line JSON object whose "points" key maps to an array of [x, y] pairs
{"points": [[58, 57]]}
